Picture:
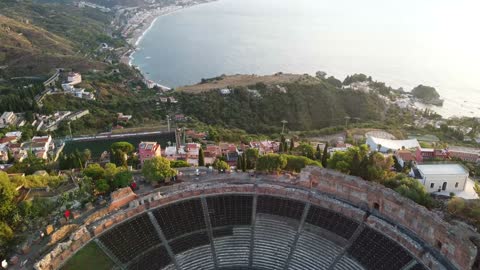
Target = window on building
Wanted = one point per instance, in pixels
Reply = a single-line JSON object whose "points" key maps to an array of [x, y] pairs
{"points": [[432, 185], [456, 185]]}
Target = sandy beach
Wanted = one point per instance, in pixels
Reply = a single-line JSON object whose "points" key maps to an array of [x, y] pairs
{"points": [[142, 21]]}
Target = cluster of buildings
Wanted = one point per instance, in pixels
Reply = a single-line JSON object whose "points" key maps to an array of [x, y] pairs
{"points": [[73, 79], [441, 178], [11, 119], [12, 147], [190, 151], [40, 122], [52, 121]]}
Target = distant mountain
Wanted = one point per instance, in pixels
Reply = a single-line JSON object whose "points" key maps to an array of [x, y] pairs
{"points": [[38, 37]]}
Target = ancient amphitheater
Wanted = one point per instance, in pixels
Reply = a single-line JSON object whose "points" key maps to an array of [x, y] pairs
{"points": [[318, 220]]}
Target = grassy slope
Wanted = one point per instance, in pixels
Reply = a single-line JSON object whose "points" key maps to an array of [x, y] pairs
{"points": [[56, 35], [89, 257]]}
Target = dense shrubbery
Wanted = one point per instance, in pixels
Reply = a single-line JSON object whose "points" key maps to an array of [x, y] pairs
{"points": [[276, 162], [410, 188], [109, 178], [305, 107], [179, 164], [375, 167], [297, 163], [158, 169]]}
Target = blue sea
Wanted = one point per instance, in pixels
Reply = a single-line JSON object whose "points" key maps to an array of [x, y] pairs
{"points": [[403, 43]]}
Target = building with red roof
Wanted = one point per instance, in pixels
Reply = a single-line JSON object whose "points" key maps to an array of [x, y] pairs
{"points": [[148, 150]]}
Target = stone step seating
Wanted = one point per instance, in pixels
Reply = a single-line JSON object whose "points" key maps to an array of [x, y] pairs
{"points": [[196, 258], [376, 251], [154, 259], [230, 210], [129, 239], [180, 218], [273, 240], [332, 221], [347, 263], [313, 252], [234, 250]]}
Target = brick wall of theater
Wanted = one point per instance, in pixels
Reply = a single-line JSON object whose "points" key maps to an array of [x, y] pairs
{"points": [[63, 251], [428, 226]]}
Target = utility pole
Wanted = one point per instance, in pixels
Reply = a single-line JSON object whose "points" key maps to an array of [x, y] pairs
{"points": [[168, 122], [283, 125]]}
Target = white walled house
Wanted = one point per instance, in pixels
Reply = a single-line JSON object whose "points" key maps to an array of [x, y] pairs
{"points": [[442, 177], [386, 145]]}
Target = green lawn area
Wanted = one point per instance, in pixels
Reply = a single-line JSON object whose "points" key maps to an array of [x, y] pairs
{"points": [[89, 257]]}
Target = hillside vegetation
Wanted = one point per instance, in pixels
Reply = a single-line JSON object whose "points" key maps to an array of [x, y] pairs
{"points": [[56, 35], [260, 108]]}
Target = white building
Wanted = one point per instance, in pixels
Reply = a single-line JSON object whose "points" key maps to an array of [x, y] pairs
{"points": [[7, 118], [442, 177], [16, 134], [385, 145], [225, 91]]}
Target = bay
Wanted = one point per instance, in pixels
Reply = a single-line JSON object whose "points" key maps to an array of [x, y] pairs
{"points": [[403, 43]]}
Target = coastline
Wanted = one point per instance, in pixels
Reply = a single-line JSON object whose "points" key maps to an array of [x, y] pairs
{"points": [[151, 17]]}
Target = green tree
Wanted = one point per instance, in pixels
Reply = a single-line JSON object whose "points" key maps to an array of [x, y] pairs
{"points": [[282, 144], [95, 171], [356, 163], [122, 179], [179, 164], [110, 171], [221, 165], [244, 162], [325, 156], [6, 236], [102, 186], [318, 153], [340, 161], [119, 152], [297, 163], [86, 155], [201, 157], [410, 188], [292, 144], [271, 163], [158, 169], [125, 147], [239, 162], [7, 196], [252, 157], [306, 150], [119, 157]]}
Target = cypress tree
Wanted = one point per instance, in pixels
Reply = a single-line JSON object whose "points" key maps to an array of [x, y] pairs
{"points": [[244, 162], [325, 156], [318, 153], [355, 169], [201, 157], [239, 162], [281, 147]]}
